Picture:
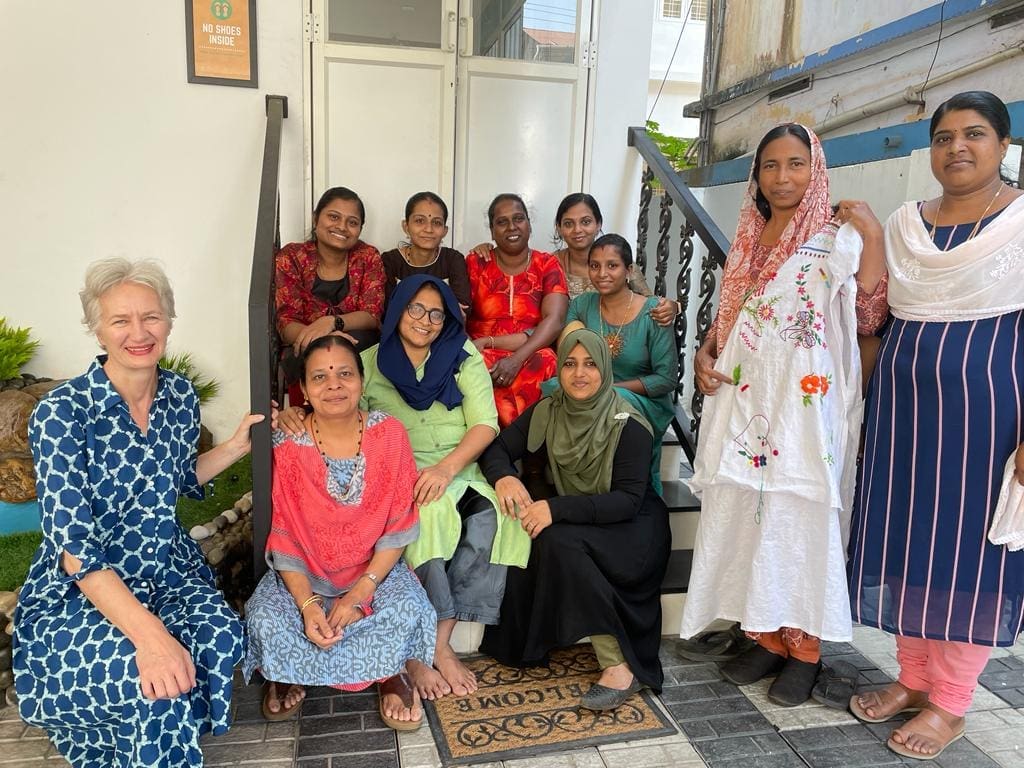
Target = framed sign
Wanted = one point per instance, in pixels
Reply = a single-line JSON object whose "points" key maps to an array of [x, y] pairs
{"points": [[221, 40]]}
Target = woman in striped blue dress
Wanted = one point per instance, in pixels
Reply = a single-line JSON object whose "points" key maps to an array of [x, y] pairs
{"points": [[945, 415]]}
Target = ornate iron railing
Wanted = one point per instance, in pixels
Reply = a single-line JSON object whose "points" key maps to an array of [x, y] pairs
{"points": [[263, 341], [696, 222]]}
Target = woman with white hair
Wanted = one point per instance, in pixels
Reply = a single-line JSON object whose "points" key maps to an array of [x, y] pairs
{"points": [[124, 650]]}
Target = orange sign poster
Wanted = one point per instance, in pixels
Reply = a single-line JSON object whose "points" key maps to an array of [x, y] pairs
{"points": [[222, 41]]}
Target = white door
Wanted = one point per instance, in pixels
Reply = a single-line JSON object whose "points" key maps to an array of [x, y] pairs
{"points": [[466, 98]]}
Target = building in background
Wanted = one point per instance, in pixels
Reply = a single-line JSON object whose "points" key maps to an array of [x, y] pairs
{"points": [[677, 56]]}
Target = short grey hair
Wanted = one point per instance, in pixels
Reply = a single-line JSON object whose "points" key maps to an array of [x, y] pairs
{"points": [[105, 274]]}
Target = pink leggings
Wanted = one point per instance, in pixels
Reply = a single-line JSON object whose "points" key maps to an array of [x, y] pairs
{"points": [[947, 671]]}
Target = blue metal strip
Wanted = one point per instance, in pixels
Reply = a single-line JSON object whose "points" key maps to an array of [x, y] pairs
{"points": [[867, 147], [853, 46]]}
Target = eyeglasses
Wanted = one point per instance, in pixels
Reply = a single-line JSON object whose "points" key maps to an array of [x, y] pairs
{"points": [[416, 311]]}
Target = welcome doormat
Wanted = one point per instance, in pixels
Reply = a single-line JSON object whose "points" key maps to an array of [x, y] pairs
{"points": [[526, 712]]}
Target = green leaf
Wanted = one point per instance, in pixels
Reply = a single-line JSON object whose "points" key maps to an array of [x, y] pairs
{"points": [[16, 349], [736, 372], [206, 388]]}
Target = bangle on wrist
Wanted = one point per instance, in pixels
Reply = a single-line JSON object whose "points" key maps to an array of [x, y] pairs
{"points": [[309, 601], [490, 342], [373, 578]]}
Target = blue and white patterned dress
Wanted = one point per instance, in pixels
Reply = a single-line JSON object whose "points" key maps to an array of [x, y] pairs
{"points": [[108, 494]]}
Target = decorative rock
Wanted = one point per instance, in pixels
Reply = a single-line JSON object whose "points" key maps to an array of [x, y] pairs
{"points": [[9, 629], [5, 639], [215, 525], [12, 697], [5, 658], [15, 408], [244, 504], [6, 679], [199, 532], [221, 521], [231, 515], [17, 479], [41, 388], [7, 602], [215, 556]]}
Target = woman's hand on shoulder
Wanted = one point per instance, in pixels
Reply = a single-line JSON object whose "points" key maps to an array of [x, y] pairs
{"points": [[483, 251], [536, 517], [665, 311], [511, 493], [859, 214], [707, 378], [318, 628], [166, 669], [291, 420]]}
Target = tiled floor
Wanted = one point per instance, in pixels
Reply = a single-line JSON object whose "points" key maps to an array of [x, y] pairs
{"points": [[721, 726]]}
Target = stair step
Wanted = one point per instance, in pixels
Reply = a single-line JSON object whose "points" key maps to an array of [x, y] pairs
{"points": [[678, 496], [677, 576]]}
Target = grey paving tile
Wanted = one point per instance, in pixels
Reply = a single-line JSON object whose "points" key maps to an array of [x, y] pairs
{"points": [[748, 748], [324, 726], [364, 760], [1005, 678], [699, 692], [341, 743], [703, 710], [694, 673], [320, 762], [355, 702], [852, 756], [271, 753], [831, 737], [721, 727], [237, 733], [315, 707], [964, 754]]}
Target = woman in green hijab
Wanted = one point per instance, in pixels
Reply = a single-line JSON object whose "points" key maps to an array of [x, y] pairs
{"points": [[601, 539]]}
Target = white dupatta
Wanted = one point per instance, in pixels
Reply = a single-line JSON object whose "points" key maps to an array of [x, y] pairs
{"points": [[983, 277]]}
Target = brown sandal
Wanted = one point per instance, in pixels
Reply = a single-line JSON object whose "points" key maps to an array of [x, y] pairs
{"points": [[895, 695], [400, 686], [930, 725], [270, 692]]}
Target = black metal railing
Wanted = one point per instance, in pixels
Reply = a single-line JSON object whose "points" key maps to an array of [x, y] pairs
{"points": [[263, 341], [696, 222]]}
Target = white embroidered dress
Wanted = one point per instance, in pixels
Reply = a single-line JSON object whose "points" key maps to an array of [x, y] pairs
{"points": [[775, 464]]}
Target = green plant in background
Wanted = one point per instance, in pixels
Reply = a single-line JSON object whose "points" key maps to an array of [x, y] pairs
{"points": [[16, 349], [206, 389], [673, 148]]}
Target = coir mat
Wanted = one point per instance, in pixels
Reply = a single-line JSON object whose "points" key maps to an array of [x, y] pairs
{"points": [[526, 712]]}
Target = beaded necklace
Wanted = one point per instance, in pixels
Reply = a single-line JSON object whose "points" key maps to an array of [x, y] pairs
{"points": [[320, 443]]}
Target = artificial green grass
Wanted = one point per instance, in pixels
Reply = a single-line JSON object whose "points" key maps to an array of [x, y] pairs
{"points": [[17, 549], [228, 487]]}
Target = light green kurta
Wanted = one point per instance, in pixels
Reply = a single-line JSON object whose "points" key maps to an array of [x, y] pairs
{"points": [[434, 433]]}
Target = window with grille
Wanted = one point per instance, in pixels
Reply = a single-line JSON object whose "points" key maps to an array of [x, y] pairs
{"points": [[699, 10], [672, 9]]}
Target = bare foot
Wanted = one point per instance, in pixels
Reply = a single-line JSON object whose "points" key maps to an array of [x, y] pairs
{"points": [[619, 677], [888, 702], [455, 673], [427, 681], [393, 707], [928, 733]]}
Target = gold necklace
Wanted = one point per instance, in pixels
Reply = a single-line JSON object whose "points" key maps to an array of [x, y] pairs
{"points": [[977, 224], [614, 340], [320, 443]]}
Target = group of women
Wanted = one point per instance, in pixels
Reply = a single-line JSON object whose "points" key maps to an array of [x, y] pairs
{"points": [[786, 545], [473, 446]]}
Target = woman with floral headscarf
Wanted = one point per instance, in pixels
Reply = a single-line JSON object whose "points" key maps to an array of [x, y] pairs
{"points": [[776, 460]]}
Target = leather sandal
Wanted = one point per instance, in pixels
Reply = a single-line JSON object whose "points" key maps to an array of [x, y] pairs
{"points": [[752, 665], [794, 684], [400, 686], [894, 699], [270, 693], [931, 725]]}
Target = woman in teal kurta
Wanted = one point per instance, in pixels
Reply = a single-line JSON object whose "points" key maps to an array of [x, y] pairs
{"points": [[644, 358], [428, 375]]}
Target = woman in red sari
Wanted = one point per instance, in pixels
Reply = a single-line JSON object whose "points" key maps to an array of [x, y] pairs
{"points": [[519, 302]]}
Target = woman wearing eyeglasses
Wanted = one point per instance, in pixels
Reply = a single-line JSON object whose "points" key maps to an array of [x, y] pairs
{"points": [[429, 375], [426, 224]]}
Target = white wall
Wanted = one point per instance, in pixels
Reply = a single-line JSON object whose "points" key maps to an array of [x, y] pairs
{"points": [[623, 43], [108, 150], [681, 74]]}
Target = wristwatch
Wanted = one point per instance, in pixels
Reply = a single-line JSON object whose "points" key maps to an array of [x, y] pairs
{"points": [[339, 323]]}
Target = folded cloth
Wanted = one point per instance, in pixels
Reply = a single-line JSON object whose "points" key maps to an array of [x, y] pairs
{"points": [[1008, 518]]}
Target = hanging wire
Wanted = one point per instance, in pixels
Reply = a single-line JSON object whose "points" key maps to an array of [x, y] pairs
{"points": [[686, 18]]}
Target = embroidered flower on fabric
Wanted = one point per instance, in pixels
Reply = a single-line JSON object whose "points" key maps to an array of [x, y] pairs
{"points": [[813, 384], [910, 267], [621, 416], [1008, 259]]}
